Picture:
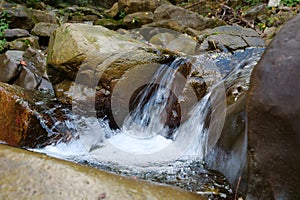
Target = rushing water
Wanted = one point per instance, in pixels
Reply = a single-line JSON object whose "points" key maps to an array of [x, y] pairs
{"points": [[146, 148]]}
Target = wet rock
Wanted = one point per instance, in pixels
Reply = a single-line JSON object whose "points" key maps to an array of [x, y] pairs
{"points": [[95, 56], [36, 175], [44, 29], [229, 38], [11, 34], [229, 156], [179, 19], [273, 119], [132, 6], [21, 124]]}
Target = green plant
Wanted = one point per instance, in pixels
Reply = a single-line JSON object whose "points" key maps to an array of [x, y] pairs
{"points": [[3, 27], [135, 19], [122, 14], [290, 2]]}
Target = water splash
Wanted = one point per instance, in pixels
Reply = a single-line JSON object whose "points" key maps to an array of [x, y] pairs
{"points": [[143, 142]]}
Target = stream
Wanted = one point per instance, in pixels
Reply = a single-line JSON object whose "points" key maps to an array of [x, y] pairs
{"points": [[145, 148]]}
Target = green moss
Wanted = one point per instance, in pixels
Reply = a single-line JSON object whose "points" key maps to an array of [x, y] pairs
{"points": [[3, 26]]}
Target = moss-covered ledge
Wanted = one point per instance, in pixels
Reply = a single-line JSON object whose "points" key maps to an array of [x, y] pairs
{"points": [[29, 175]]}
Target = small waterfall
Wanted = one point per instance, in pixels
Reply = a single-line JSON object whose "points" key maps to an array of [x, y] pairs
{"points": [[146, 146], [148, 117]]}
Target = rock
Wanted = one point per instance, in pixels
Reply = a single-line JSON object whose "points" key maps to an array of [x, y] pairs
{"points": [[229, 38], [21, 124], [44, 29], [44, 16], [269, 33], [184, 44], [110, 23], [23, 43], [8, 64], [104, 4], [223, 42], [11, 34], [132, 6], [273, 119], [19, 18], [162, 39], [101, 55], [88, 19], [31, 75], [137, 19], [38, 176], [179, 19], [113, 11]]}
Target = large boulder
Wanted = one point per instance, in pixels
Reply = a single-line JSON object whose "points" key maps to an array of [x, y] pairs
{"points": [[273, 119], [87, 63], [36, 176]]}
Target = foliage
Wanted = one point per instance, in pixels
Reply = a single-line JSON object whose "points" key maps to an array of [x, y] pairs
{"points": [[290, 2], [253, 2], [3, 27]]}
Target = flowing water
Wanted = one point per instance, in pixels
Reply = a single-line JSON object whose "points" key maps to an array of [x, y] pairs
{"points": [[145, 148]]}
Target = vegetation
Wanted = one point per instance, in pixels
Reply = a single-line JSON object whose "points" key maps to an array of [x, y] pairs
{"points": [[3, 27], [290, 2]]}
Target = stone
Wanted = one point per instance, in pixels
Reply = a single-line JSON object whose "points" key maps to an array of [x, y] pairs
{"points": [[223, 41], [11, 34], [273, 111], [234, 30], [33, 175], [113, 11], [138, 19], [132, 6], [184, 44], [8, 64], [179, 19], [21, 124], [44, 29], [230, 38], [254, 41], [23, 43], [20, 18], [84, 19], [44, 16], [95, 57], [162, 39]]}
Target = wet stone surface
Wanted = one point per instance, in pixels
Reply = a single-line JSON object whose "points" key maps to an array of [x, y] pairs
{"points": [[192, 176]]}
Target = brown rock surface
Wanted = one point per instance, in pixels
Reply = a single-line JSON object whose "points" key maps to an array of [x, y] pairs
{"points": [[273, 119], [20, 122]]}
